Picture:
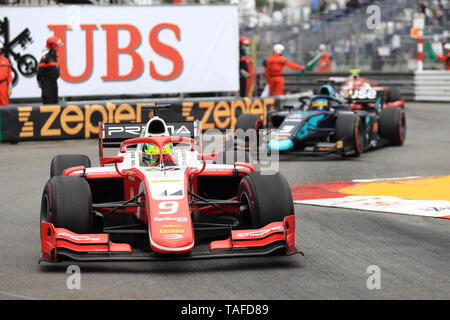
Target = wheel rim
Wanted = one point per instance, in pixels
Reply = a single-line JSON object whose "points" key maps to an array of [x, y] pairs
{"points": [[45, 209], [402, 127], [359, 137], [245, 213]]}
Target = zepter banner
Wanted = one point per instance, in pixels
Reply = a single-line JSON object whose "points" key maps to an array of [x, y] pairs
{"points": [[113, 50]]}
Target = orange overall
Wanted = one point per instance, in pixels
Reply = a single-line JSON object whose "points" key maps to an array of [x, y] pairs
{"points": [[324, 63], [274, 73], [446, 59], [5, 80]]}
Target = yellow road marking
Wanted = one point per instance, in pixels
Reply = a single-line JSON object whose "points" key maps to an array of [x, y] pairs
{"points": [[425, 188]]}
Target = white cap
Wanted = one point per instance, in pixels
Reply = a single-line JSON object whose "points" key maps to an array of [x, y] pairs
{"points": [[278, 48], [322, 47], [447, 46]]}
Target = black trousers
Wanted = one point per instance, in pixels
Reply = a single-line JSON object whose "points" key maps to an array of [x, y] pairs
{"points": [[242, 86], [49, 92]]}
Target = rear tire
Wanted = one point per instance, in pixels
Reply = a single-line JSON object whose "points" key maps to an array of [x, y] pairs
{"points": [[267, 199], [349, 129], [67, 203], [393, 125], [63, 161], [394, 95]]}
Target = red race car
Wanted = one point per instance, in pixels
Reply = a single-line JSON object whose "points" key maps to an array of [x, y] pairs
{"points": [[356, 85], [161, 198]]}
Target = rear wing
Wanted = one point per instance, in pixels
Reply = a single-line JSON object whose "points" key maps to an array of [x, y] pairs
{"points": [[362, 96], [332, 80], [111, 135]]}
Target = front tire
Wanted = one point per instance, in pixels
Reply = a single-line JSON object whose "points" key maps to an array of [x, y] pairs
{"points": [[266, 199], [67, 203], [393, 125], [349, 129], [63, 161]]}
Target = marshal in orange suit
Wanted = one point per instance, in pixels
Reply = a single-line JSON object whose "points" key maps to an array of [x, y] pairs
{"points": [[274, 70], [324, 62], [5, 80]]}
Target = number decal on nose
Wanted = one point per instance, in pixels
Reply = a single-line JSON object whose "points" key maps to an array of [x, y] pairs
{"points": [[168, 207]]}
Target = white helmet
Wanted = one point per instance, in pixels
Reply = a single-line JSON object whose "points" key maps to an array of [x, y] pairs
{"points": [[322, 47], [278, 48], [447, 46]]}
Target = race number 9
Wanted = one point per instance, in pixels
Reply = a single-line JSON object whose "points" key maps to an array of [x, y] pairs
{"points": [[167, 207]]}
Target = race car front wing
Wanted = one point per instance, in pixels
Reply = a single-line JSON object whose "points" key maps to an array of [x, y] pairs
{"points": [[59, 244]]}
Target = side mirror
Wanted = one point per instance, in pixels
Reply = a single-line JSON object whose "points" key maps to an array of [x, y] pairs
{"points": [[107, 160]]}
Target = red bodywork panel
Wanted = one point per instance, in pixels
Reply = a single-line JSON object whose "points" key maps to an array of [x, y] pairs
{"points": [[53, 238], [275, 231]]}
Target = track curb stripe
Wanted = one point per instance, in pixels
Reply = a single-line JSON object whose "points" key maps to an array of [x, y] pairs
{"points": [[422, 196]]}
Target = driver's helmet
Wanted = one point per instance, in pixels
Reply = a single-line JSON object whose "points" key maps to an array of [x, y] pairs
{"points": [[151, 154], [319, 104], [156, 127]]}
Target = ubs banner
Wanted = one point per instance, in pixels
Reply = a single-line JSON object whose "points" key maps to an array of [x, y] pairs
{"points": [[80, 120], [113, 50]]}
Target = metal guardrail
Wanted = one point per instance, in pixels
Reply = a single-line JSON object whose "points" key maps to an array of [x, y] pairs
{"points": [[432, 85]]}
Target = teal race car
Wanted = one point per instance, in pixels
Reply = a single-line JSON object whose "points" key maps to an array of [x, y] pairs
{"points": [[324, 123]]}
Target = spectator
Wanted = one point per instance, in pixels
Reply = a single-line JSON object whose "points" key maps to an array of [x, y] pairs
{"points": [[314, 4], [354, 4], [274, 70], [377, 61], [316, 24], [323, 6], [421, 7], [308, 55], [48, 72], [5, 80], [438, 16], [348, 50]]}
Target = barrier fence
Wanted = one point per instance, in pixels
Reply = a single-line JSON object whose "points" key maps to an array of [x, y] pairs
{"points": [[429, 85], [432, 85], [79, 120]]}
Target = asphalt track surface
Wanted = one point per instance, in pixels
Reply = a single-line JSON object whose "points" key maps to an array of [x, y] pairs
{"points": [[412, 252]]}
